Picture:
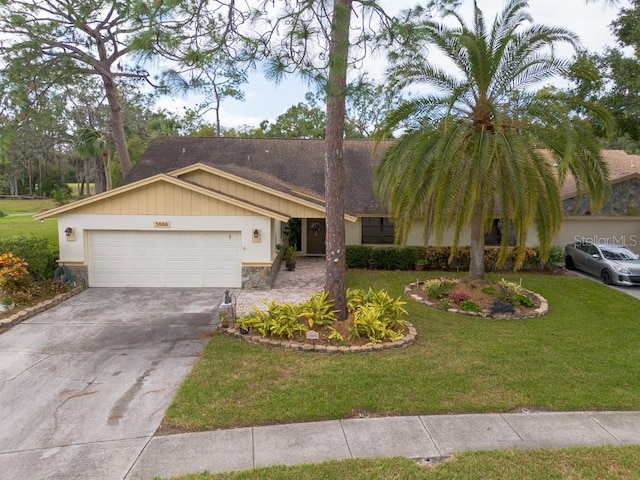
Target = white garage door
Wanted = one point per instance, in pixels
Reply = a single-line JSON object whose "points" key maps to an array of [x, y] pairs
{"points": [[164, 259]]}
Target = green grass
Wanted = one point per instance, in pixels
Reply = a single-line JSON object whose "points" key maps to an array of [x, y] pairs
{"points": [[583, 355], [19, 222], [75, 188], [571, 463]]}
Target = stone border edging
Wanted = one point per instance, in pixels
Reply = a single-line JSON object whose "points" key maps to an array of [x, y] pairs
{"points": [[408, 339], [543, 309], [28, 312]]}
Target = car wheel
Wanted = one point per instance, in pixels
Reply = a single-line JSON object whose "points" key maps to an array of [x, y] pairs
{"points": [[606, 277], [568, 262]]}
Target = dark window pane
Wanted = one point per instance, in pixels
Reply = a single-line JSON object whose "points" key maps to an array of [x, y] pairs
{"points": [[377, 230]]}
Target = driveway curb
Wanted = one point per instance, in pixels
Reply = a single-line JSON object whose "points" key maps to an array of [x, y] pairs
{"points": [[28, 312]]}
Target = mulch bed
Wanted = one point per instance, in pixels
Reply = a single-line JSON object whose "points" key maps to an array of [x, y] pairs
{"points": [[479, 292]]}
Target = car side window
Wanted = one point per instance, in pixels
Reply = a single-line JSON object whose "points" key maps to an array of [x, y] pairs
{"points": [[593, 250]]}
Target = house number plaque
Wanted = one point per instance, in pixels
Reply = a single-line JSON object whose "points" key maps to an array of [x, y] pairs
{"points": [[161, 224], [313, 335]]}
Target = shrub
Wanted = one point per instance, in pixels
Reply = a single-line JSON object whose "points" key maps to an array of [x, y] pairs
{"points": [[458, 297], [371, 322], [358, 256], [514, 293], [318, 310], [469, 306], [285, 321], [61, 194], [439, 258], [376, 315], [14, 275], [280, 320], [397, 258], [35, 251], [446, 304], [2, 214], [391, 309]]}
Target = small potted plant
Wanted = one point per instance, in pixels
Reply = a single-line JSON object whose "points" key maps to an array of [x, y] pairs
{"points": [[6, 303], [421, 264], [290, 257]]}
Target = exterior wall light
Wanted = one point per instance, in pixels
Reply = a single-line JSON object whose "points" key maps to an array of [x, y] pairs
{"points": [[68, 231]]}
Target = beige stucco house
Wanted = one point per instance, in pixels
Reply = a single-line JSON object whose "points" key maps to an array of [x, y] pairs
{"points": [[210, 212]]}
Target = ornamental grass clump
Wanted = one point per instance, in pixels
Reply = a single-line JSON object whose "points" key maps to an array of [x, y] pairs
{"points": [[437, 288], [514, 293]]}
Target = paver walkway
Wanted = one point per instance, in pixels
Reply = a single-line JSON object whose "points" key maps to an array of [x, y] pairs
{"points": [[296, 286]]}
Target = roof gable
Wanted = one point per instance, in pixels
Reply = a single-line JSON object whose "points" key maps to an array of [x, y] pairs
{"points": [[162, 194], [622, 167], [296, 205]]}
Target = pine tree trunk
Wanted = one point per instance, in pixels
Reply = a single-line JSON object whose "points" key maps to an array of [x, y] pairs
{"points": [[336, 267], [117, 125]]}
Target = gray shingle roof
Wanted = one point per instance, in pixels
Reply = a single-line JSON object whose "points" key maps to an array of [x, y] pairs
{"points": [[290, 165], [296, 166]]}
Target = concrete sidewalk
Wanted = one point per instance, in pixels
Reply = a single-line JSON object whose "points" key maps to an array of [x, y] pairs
{"points": [[420, 437]]}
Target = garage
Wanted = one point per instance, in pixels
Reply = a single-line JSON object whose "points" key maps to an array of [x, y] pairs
{"points": [[164, 259]]}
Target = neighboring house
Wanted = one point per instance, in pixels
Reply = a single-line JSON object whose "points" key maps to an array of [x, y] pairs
{"points": [[619, 219], [211, 212]]}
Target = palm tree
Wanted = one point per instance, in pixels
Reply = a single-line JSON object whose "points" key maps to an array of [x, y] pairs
{"points": [[90, 143], [476, 151]]}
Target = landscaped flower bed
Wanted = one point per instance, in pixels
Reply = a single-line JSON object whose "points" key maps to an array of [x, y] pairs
{"points": [[20, 295], [479, 297], [375, 320]]}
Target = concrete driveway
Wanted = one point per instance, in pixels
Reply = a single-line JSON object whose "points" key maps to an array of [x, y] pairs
{"points": [[84, 385]]}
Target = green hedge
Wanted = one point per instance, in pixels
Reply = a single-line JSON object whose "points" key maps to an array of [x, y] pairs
{"points": [[437, 258], [37, 253]]}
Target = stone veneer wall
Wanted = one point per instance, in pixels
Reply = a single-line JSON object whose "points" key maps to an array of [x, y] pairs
{"points": [[261, 277], [624, 200], [80, 274]]}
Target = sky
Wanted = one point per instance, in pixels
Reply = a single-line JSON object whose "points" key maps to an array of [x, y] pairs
{"points": [[266, 100]]}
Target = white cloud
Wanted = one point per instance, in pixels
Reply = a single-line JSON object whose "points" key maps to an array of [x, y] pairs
{"points": [[266, 100]]}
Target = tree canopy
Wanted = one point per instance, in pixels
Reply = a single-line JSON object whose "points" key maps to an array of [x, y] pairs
{"points": [[474, 153]]}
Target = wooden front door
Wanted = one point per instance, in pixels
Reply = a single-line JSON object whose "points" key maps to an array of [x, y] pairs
{"points": [[316, 230]]}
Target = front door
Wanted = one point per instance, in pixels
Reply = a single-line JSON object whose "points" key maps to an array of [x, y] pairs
{"points": [[316, 229]]}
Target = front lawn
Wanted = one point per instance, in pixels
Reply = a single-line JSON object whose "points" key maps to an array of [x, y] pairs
{"points": [[19, 222], [583, 355], [583, 463]]}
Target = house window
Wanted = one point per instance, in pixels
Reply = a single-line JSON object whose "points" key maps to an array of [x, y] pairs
{"points": [[494, 236], [377, 230]]}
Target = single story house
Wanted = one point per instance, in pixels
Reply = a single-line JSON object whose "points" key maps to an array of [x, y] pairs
{"points": [[210, 212]]}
